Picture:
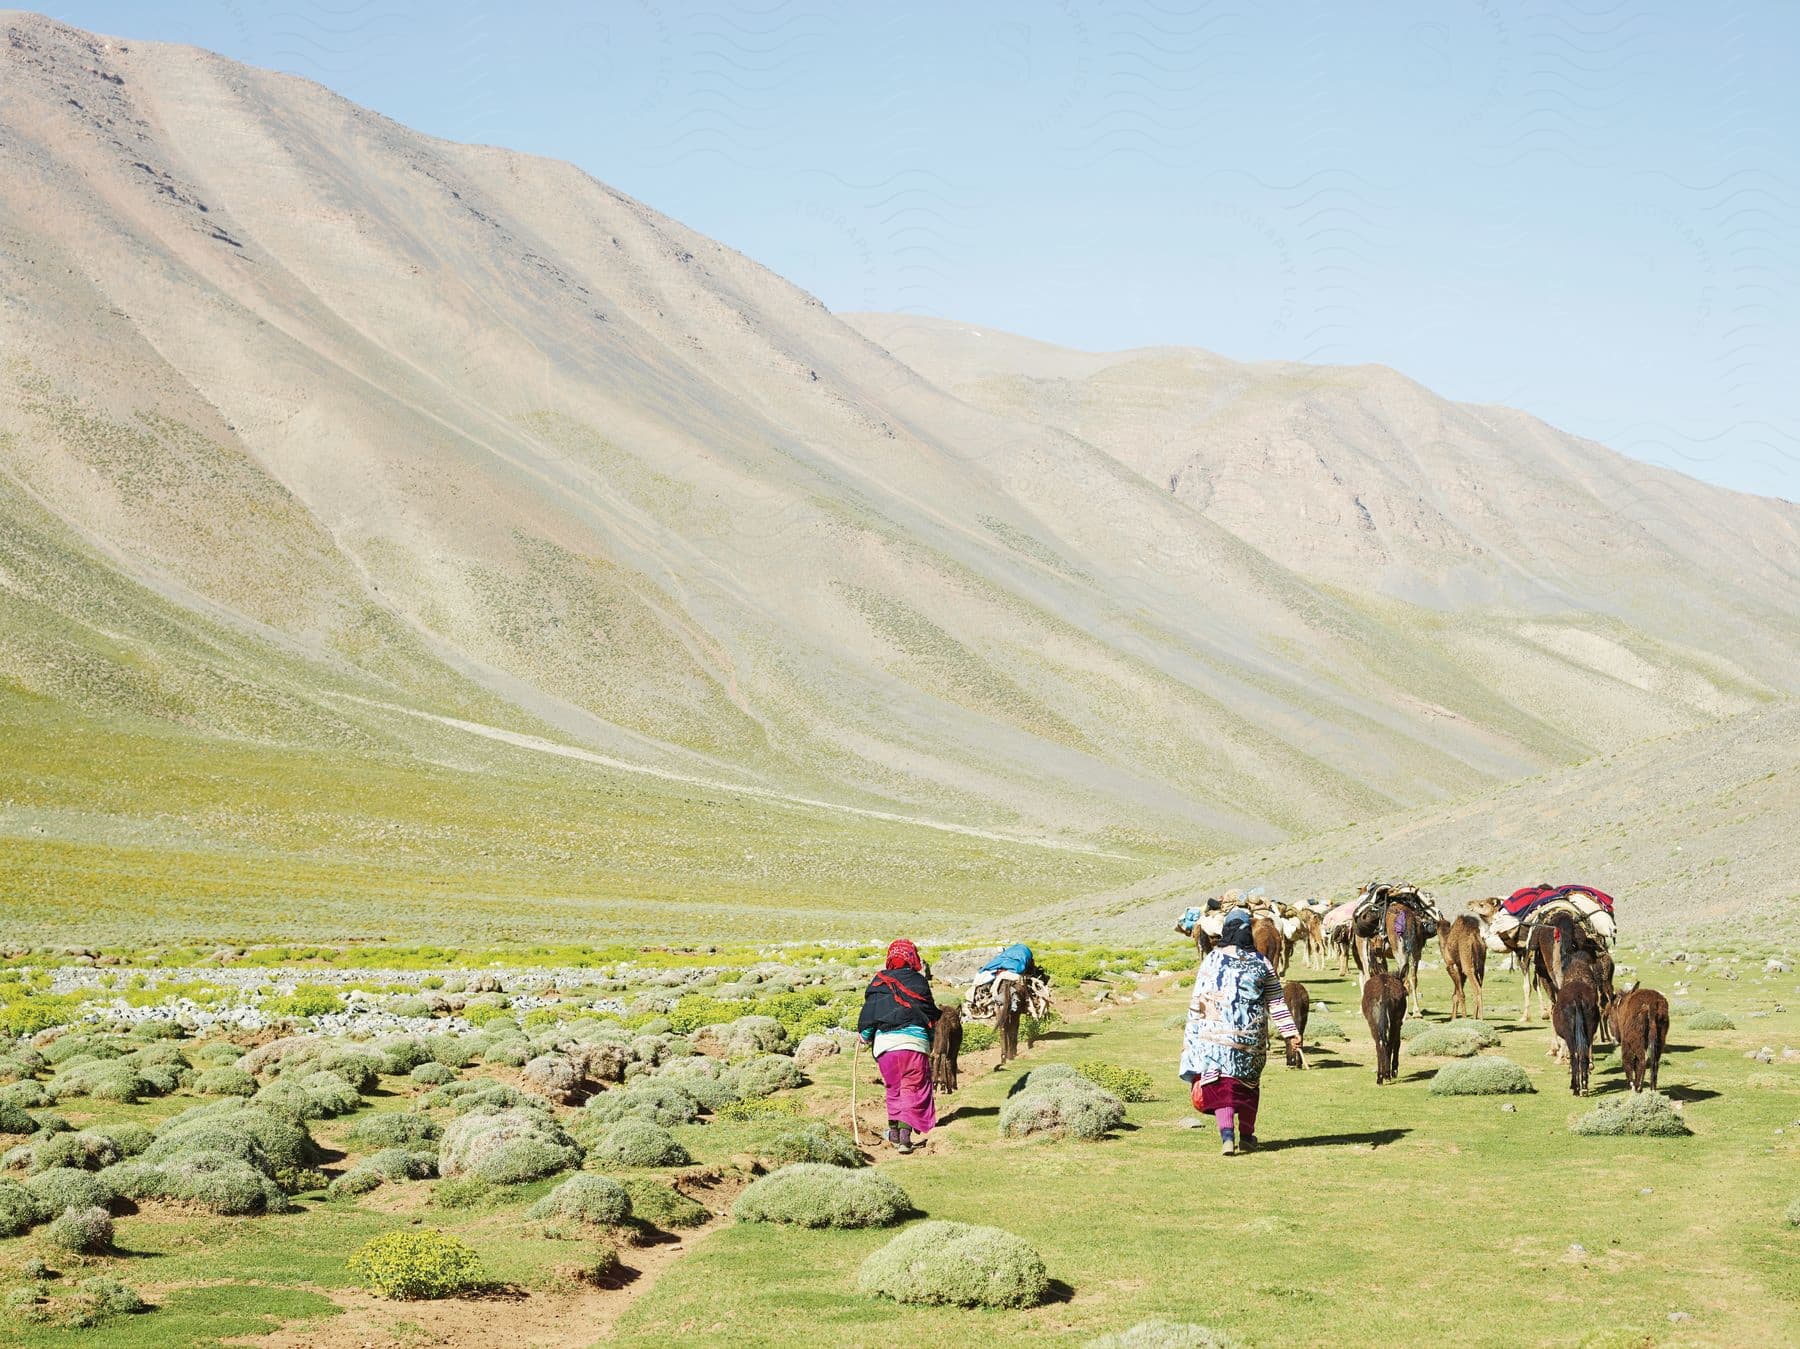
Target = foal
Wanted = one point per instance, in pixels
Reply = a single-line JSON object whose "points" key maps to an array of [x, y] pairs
{"points": [[1299, 1005], [1384, 1008], [1575, 1016], [946, 1045]]}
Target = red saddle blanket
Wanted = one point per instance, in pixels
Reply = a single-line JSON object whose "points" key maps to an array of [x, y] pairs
{"points": [[1522, 902]]}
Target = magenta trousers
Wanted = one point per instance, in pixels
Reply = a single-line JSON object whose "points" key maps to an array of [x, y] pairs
{"points": [[907, 1073]]}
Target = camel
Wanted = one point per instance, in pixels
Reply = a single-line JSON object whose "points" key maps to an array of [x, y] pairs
{"points": [[1548, 947], [946, 1048], [1312, 937], [1299, 1005], [1384, 1008], [1640, 1023], [1266, 937], [1464, 950], [1403, 932]]}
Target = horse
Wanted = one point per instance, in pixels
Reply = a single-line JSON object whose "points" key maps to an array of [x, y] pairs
{"points": [[1464, 950], [1575, 1015], [946, 1048], [1640, 1023], [1384, 1008], [1299, 1005]]}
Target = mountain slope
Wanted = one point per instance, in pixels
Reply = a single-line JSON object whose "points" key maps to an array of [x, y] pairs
{"points": [[304, 415]]}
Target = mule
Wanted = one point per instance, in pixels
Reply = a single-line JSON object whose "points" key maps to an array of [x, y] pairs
{"points": [[1384, 1008], [1299, 1005], [1464, 950], [1575, 1017], [946, 1048], [1640, 1023]]}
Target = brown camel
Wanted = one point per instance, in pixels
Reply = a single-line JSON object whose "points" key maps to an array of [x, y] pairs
{"points": [[946, 1048], [1384, 1008], [1299, 1005], [1312, 937], [1269, 943], [1465, 961], [1640, 1023]]}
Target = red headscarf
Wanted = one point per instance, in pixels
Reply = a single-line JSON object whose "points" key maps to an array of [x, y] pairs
{"points": [[903, 955]]}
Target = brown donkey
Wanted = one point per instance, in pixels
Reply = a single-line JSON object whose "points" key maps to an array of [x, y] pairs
{"points": [[1640, 1023], [1575, 1016], [1299, 1005], [1465, 961], [946, 1047], [1384, 1008]]}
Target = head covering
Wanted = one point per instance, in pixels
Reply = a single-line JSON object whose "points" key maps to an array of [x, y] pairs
{"points": [[1236, 931], [903, 955]]}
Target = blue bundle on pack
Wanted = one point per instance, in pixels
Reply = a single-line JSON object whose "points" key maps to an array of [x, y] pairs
{"points": [[1016, 958]]}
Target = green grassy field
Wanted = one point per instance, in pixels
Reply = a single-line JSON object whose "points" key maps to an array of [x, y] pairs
{"points": [[1372, 1215]]}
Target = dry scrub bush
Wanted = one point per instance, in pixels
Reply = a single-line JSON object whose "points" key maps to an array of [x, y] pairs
{"points": [[816, 1142], [1448, 1042], [1063, 1105], [431, 1074], [1163, 1334], [1711, 1021], [1639, 1114], [659, 1101], [214, 1181], [504, 1147], [811, 1194], [82, 1231], [638, 1142], [585, 1198], [766, 1075], [229, 1080], [18, 1210], [395, 1129], [1487, 1075], [417, 1263], [66, 1187], [955, 1264], [663, 1206]]}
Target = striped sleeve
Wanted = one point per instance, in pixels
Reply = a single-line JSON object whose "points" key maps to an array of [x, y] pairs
{"points": [[1277, 1007]]}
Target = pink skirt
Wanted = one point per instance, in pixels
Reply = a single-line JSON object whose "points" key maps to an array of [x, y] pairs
{"points": [[907, 1073]]}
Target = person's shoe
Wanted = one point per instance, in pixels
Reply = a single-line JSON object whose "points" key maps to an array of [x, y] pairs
{"points": [[893, 1134], [1227, 1143], [903, 1139], [1247, 1143]]}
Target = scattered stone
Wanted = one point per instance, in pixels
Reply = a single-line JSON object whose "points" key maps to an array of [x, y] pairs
{"points": [[1510, 1108], [1676, 1318], [1577, 1249]]}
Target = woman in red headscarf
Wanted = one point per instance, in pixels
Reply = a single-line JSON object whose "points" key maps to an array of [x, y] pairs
{"points": [[898, 1015]]}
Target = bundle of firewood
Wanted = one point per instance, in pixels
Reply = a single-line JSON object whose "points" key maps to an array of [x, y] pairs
{"points": [[1031, 997]]}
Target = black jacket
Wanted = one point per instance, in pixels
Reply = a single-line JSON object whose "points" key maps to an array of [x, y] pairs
{"points": [[897, 999]]}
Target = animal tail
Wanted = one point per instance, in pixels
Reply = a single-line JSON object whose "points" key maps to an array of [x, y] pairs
{"points": [[1381, 1038], [1652, 1049], [1581, 1048]]}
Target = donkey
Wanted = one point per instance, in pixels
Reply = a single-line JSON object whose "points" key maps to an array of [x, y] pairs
{"points": [[1640, 1023], [946, 1047], [1575, 1016], [1465, 960], [1299, 1005], [1548, 949], [1384, 1008]]}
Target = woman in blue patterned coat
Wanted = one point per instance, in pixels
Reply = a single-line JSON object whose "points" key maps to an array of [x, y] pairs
{"points": [[1236, 994]]}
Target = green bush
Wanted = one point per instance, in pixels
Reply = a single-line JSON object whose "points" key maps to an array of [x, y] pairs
{"points": [[317, 1095], [504, 1147], [1447, 1042], [275, 1146], [83, 1231], [811, 1194], [766, 1074], [955, 1264], [432, 1074], [1162, 1334], [585, 1198], [1485, 1075], [86, 1149], [759, 1108], [306, 1000], [1645, 1114], [1128, 1084], [638, 1142], [130, 1137], [663, 1206], [978, 1036], [1322, 1028], [815, 1142], [227, 1080], [399, 1057], [99, 1299], [416, 1263], [18, 1209], [658, 1100], [463, 1192], [394, 1129], [385, 1165], [1711, 1021], [216, 1181], [14, 1120], [1061, 1106], [65, 1188]]}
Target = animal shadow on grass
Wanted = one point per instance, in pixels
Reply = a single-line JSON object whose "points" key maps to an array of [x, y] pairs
{"points": [[970, 1112], [1688, 1093], [1375, 1138], [1058, 1291], [1317, 1059], [1420, 1075]]}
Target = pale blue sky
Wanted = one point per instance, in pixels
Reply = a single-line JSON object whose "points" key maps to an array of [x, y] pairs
{"points": [[1588, 211]]}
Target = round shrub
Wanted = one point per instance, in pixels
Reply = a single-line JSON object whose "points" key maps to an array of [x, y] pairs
{"points": [[1163, 1334], [88, 1150], [14, 1120], [394, 1129], [27, 1095], [130, 1137], [1486, 1075], [817, 1142], [215, 1181], [416, 1263], [1793, 1214], [273, 1145], [504, 1147], [1128, 1084], [1711, 1021], [658, 1100], [810, 1194], [66, 1187], [18, 1210], [1068, 1107], [1322, 1028], [585, 1198], [663, 1205], [638, 1142], [402, 1056], [357, 1180], [361, 1069], [1643, 1114], [101, 1298], [431, 1073], [218, 1054], [766, 1075], [84, 1231], [228, 1080], [1447, 1042], [512, 1053], [958, 1265]]}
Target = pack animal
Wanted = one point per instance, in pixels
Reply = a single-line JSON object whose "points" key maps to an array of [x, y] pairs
{"points": [[946, 1048], [1640, 1023], [1464, 950], [1575, 1016], [1299, 1005], [1384, 1008], [1266, 936]]}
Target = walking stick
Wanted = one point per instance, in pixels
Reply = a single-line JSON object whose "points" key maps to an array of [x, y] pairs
{"points": [[855, 1117]]}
